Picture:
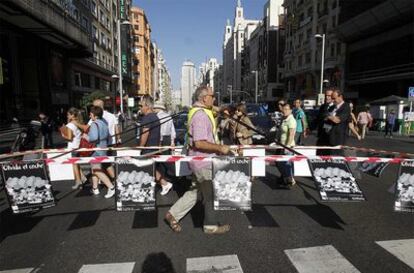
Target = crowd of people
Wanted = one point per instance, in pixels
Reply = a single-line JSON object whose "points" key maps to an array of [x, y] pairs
{"points": [[210, 131]]}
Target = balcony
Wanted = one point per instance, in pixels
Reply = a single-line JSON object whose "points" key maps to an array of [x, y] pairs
{"points": [[52, 20], [404, 71], [109, 68]]}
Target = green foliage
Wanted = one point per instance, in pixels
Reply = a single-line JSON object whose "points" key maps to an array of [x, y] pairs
{"points": [[89, 98]]}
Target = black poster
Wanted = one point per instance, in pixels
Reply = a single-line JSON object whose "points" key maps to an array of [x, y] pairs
{"points": [[232, 183], [135, 184], [404, 200], [373, 169], [335, 181], [27, 186]]}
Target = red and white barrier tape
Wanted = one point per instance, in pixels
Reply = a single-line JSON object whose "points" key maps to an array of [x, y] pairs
{"points": [[271, 158]]}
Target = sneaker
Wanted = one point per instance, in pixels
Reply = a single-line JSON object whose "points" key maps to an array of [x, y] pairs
{"points": [[291, 181], [217, 229], [166, 188], [110, 192], [95, 191]]}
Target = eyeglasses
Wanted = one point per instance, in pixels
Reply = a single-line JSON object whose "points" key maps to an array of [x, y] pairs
{"points": [[212, 96]]}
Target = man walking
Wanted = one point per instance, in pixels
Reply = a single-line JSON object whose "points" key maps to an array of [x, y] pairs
{"points": [[301, 124], [167, 125], [390, 123], [151, 135], [203, 141]]}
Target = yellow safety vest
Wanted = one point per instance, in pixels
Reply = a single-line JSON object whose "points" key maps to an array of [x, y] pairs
{"points": [[210, 115]]}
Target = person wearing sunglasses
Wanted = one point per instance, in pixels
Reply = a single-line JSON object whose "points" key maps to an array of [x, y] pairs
{"points": [[202, 141]]}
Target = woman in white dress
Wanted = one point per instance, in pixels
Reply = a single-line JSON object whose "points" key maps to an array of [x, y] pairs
{"points": [[73, 135]]}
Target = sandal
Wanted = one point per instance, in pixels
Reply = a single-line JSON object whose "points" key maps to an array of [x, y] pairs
{"points": [[172, 223]]}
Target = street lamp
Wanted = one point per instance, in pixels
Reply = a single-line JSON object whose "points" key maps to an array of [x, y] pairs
{"points": [[118, 24], [321, 36], [256, 85]]}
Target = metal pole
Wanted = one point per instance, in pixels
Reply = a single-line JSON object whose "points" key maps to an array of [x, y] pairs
{"points": [[322, 63], [256, 86], [120, 67], [231, 94]]}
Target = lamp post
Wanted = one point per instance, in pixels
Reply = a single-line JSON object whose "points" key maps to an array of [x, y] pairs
{"points": [[321, 36], [118, 24], [256, 85]]}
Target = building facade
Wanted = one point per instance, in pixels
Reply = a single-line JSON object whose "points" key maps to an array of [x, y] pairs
{"points": [[233, 46], [303, 51], [188, 83], [144, 51], [380, 49]]}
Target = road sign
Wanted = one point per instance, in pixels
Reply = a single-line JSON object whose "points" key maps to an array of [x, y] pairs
{"points": [[131, 102], [411, 93]]}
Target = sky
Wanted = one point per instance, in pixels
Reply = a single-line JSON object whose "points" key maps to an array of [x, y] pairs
{"points": [[192, 29]]}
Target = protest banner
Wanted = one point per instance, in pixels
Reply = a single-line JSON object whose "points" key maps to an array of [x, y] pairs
{"points": [[135, 184], [404, 200], [334, 180], [27, 186], [232, 183]]}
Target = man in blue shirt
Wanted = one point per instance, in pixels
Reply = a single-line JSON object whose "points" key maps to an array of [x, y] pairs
{"points": [[390, 123], [301, 124]]}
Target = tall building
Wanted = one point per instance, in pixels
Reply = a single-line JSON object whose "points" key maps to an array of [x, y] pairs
{"points": [[303, 52], [263, 54], [233, 46], [188, 83], [212, 70], [143, 49], [379, 35]]}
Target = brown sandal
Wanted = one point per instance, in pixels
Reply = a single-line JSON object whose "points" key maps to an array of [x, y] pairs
{"points": [[174, 225]]}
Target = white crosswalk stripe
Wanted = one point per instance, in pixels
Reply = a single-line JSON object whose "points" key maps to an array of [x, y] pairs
{"points": [[226, 263], [22, 270], [402, 249], [319, 259], [108, 268]]}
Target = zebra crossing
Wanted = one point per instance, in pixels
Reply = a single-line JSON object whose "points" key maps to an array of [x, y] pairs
{"points": [[316, 259]]}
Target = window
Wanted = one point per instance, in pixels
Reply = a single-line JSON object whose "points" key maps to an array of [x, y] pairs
{"points": [[136, 27], [136, 38], [109, 43], [85, 80], [332, 49], [307, 58], [76, 14], [333, 21], [310, 12], [338, 48], [94, 8], [136, 62], [97, 83], [103, 39], [95, 32], [77, 78], [85, 22]]}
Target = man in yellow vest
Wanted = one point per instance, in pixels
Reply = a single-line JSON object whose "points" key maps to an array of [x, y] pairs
{"points": [[202, 141]]}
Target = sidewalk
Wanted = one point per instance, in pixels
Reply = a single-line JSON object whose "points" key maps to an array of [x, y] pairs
{"points": [[396, 135]]}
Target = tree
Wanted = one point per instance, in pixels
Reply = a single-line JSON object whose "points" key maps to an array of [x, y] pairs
{"points": [[87, 99]]}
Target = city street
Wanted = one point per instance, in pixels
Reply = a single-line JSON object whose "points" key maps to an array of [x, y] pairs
{"points": [[84, 233]]}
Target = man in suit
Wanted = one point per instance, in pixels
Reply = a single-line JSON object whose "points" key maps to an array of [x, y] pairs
{"points": [[338, 119], [323, 123]]}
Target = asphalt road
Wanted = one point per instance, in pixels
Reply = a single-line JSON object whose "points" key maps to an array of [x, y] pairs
{"points": [[86, 230]]}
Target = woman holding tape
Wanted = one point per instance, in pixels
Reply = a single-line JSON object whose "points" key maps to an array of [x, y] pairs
{"points": [[287, 138]]}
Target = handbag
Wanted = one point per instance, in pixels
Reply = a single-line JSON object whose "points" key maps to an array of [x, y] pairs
{"points": [[84, 143]]}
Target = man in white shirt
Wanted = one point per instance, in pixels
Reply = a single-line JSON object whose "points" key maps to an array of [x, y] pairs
{"points": [[111, 120], [167, 125]]}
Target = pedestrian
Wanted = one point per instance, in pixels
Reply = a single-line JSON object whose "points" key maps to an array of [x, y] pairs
{"points": [[338, 119], [353, 124], [151, 136], [224, 131], [73, 134], [167, 132], [46, 128], [323, 125], [99, 133], [121, 120], [390, 123], [243, 134], [301, 124], [287, 138], [202, 141], [364, 118]]}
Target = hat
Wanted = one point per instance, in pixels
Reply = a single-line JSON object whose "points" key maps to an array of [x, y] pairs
{"points": [[159, 105]]}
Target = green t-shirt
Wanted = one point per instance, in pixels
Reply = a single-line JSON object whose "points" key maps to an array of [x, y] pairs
{"points": [[288, 123]]}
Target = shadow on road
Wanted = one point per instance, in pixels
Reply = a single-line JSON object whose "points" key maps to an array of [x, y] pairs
{"points": [[13, 224]]}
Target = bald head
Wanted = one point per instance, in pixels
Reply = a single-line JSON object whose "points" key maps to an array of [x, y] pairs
{"points": [[98, 103]]}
